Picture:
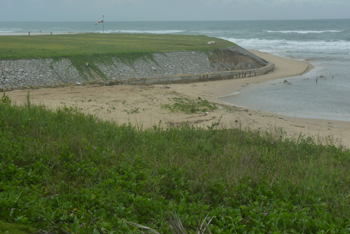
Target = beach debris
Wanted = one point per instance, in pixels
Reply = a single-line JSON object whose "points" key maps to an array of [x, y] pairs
{"points": [[211, 42], [154, 69], [87, 64], [78, 83], [321, 76], [285, 81], [289, 83], [206, 113]]}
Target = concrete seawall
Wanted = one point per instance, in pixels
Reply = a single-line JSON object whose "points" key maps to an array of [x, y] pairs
{"points": [[171, 67], [197, 78]]}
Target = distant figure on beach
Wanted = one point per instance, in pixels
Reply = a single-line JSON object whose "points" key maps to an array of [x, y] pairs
{"points": [[316, 79], [29, 33]]}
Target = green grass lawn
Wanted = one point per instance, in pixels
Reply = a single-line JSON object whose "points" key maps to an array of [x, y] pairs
{"points": [[65, 172], [43, 46], [95, 48]]}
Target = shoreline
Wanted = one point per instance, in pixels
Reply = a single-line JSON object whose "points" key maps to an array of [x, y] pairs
{"points": [[34, 33], [143, 105]]}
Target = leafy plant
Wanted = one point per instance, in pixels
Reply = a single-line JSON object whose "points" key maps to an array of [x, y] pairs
{"points": [[5, 100], [176, 226]]}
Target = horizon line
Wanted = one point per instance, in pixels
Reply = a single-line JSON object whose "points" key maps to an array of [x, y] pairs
{"points": [[169, 20]]}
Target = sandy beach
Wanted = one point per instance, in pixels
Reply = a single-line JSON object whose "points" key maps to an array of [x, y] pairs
{"points": [[142, 105]]}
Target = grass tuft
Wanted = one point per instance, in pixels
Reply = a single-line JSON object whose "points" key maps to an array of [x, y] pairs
{"points": [[188, 106]]}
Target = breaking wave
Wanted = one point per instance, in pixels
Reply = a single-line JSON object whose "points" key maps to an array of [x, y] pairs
{"points": [[305, 31], [146, 31], [338, 46]]}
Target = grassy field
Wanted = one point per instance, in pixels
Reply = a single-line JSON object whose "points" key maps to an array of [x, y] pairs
{"points": [[43, 46], [94, 48], [66, 172]]}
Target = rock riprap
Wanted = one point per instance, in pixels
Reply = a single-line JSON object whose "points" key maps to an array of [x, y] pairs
{"points": [[42, 72], [35, 72]]}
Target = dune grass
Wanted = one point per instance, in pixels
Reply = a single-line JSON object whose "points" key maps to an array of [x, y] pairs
{"points": [[45, 46], [189, 106], [65, 172]]}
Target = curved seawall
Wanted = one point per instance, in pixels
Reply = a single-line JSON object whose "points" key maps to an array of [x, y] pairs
{"points": [[171, 67]]}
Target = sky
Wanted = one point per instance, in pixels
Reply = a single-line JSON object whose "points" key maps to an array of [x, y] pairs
{"points": [[171, 10]]}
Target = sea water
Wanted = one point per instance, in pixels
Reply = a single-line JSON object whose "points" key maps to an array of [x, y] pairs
{"points": [[323, 43]]}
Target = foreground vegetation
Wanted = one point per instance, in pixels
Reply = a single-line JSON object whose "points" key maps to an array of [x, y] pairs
{"points": [[66, 172]]}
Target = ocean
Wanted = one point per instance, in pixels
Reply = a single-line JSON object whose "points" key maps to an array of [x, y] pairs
{"points": [[323, 43]]}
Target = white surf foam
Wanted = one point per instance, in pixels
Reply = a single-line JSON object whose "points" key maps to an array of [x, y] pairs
{"points": [[337, 46], [146, 31], [305, 31], [10, 30]]}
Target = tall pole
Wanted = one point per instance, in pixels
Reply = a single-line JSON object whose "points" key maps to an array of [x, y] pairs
{"points": [[103, 18]]}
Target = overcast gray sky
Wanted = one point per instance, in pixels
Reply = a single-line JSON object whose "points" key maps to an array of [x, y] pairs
{"points": [[174, 10]]}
